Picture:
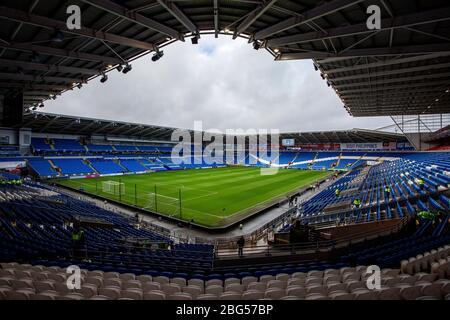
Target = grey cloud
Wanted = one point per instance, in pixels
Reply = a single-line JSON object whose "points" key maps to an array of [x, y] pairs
{"points": [[222, 82]]}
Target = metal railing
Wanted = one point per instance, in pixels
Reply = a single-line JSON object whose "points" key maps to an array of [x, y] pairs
{"points": [[301, 248]]}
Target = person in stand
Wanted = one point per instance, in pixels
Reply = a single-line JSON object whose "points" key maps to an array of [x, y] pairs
{"points": [[357, 203], [421, 183], [337, 192], [387, 193], [78, 242], [241, 244]]}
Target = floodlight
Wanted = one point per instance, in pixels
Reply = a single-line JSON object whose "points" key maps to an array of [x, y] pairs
{"points": [[127, 68], [157, 55], [104, 78]]}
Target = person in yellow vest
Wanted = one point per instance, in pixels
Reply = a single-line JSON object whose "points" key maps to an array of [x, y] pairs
{"points": [[426, 215], [387, 193], [337, 192], [421, 183], [357, 202], [78, 242]]}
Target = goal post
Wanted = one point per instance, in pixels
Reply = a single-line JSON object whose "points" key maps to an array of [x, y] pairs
{"points": [[113, 187], [168, 203]]}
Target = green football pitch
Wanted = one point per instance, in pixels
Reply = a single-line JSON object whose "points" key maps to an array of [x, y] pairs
{"points": [[210, 197]]}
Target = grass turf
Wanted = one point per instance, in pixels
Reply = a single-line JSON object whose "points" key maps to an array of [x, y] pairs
{"points": [[211, 197]]}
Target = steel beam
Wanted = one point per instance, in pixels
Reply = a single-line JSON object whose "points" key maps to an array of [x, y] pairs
{"points": [[411, 86], [391, 72], [357, 29], [62, 53], [390, 62], [38, 79], [178, 14], [406, 109], [399, 111], [216, 18], [34, 86], [410, 92], [47, 67], [253, 16], [445, 75], [135, 17], [40, 21], [308, 16], [389, 100], [37, 93], [386, 51]]}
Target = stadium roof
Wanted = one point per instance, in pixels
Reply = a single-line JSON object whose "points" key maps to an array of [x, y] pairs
{"points": [[344, 136], [40, 122], [403, 68]]}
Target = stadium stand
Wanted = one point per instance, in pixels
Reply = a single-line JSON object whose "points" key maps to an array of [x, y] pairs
{"points": [[401, 176], [72, 166], [125, 148], [150, 149], [67, 145], [106, 166], [151, 164], [9, 176], [42, 167], [100, 148], [40, 145], [167, 163], [38, 282], [132, 165], [130, 260]]}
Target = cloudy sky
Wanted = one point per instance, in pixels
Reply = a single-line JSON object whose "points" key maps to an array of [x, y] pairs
{"points": [[223, 82]]}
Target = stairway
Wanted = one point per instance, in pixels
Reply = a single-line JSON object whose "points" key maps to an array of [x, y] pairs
{"points": [[339, 160], [117, 161], [55, 168], [88, 163], [50, 143], [311, 164]]}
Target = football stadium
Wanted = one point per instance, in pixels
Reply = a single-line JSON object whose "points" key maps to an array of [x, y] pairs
{"points": [[102, 208]]}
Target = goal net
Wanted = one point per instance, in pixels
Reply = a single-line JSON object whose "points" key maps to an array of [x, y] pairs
{"points": [[163, 204], [113, 187]]}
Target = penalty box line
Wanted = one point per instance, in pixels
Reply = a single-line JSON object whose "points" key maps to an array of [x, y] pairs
{"points": [[207, 193], [198, 211]]}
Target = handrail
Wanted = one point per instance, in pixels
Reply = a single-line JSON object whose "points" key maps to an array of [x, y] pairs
{"points": [[312, 246]]}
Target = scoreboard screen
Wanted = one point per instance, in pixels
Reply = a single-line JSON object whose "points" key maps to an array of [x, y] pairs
{"points": [[287, 142]]}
